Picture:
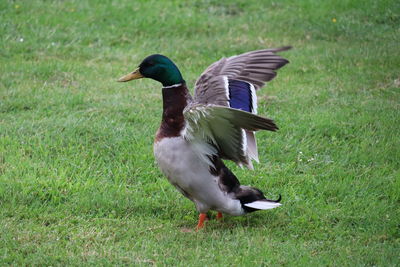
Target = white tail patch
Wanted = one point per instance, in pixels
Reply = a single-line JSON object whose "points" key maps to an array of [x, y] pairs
{"points": [[263, 205]]}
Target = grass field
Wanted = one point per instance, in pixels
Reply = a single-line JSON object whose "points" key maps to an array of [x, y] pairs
{"points": [[78, 181]]}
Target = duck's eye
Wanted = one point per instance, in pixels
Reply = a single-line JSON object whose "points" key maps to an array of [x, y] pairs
{"points": [[147, 64]]}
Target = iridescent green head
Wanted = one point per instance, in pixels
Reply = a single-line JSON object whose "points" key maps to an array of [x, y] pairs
{"points": [[156, 67]]}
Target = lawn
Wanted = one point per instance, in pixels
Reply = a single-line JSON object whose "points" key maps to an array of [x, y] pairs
{"points": [[78, 181]]}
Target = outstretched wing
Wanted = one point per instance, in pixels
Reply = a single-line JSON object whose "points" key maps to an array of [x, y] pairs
{"points": [[233, 81], [218, 130], [254, 68]]}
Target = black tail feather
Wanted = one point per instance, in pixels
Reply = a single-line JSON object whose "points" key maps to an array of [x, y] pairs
{"points": [[278, 200]]}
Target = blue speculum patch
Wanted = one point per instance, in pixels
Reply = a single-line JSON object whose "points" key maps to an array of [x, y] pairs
{"points": [[240, 95]]}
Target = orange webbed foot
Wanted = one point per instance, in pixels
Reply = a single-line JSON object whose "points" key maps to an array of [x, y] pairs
{"points": [[202, 218]]}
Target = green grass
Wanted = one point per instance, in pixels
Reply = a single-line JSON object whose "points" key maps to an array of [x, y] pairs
{"points": [[78, 181]]}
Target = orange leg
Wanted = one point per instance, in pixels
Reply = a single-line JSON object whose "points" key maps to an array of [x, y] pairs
{"points": [[219, 215], [202, 218]]}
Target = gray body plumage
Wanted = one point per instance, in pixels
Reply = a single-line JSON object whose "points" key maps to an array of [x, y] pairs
{"points": [[191, 175]]}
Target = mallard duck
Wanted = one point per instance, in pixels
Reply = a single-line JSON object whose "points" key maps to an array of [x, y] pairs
{"points": [[197, 134]]}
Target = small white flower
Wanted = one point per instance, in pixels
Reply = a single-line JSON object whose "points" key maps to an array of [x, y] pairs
{"points": [[21, 39]]}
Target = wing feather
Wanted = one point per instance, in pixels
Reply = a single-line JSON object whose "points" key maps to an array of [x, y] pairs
{"points": [[244, 66], [222, 131]]}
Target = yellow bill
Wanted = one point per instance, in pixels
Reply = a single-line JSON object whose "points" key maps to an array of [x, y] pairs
{"points": [[131, 76]]}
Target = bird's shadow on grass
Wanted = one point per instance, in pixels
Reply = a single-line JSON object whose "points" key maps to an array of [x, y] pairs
{"points": [[229, 223], [185, 218]]}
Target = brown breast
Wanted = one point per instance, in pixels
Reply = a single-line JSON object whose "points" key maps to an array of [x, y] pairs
{"points": [[175, 99]]}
